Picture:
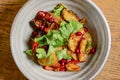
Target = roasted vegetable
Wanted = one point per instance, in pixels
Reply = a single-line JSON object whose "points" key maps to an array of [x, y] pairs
{"points": [[69, 15], [48, 61], [60, 40], [82, 46], [72, 54], [57, 19], [89, 42], [58, 9], [83, 20], [72, 67], [73, 41]]}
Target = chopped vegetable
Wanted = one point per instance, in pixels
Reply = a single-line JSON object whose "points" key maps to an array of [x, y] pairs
{"points": [[63, 55], [29, 52], [41, 53], [60, 40], [58, 9]]}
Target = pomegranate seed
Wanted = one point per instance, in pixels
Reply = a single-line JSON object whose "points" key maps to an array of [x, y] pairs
{"points": [[73, 61], [92, 50], [63, 61], [63, 64], [63, 68], [78, 33], [35, 34], [47, 16], [51, 20], [77, 50], [42, 27], [85, 29], [40, 14]]}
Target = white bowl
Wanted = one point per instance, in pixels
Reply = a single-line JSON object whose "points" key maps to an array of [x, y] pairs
{"points": [[97, 25]]}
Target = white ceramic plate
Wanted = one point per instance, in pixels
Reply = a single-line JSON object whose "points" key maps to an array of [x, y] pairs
{"points": [[97, 25]]}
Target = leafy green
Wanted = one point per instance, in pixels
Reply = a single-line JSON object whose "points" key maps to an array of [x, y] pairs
{"points": [[55, 39], [41, 53], [50, 50], [57, 10], [41, 40], [28, 52], [59, 37], [75, 25], [65, 29], [62, 55], [50, 60]]}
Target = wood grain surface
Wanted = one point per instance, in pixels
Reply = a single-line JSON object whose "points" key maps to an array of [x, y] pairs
{"points": [[8, 68]]}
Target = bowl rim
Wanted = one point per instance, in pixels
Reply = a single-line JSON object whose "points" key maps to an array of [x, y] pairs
{"points": [[92, 4]]}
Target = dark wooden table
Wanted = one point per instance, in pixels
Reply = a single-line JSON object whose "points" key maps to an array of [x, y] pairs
{"points": [[8, 68]]}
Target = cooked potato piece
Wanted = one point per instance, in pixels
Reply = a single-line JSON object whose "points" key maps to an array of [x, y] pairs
{"points": [[57, 19], [57, 65], [88, 36], [72, 67], [82, 46], [69, 15], [82, 31], [53, 26], [72, 54], [83, 20], [85, 46], [73, 41], [46, 61], [89, 42], [82, 57]]}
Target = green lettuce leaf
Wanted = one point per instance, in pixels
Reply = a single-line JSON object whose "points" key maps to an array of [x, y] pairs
{"points": [[41, 53], [28, 52], [62, 55], [65, 29], [57, 38], [50, 50], [58, 9], [76, 25]]}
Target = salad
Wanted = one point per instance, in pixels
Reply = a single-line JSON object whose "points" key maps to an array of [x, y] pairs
{"points": [[60, 40]]}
